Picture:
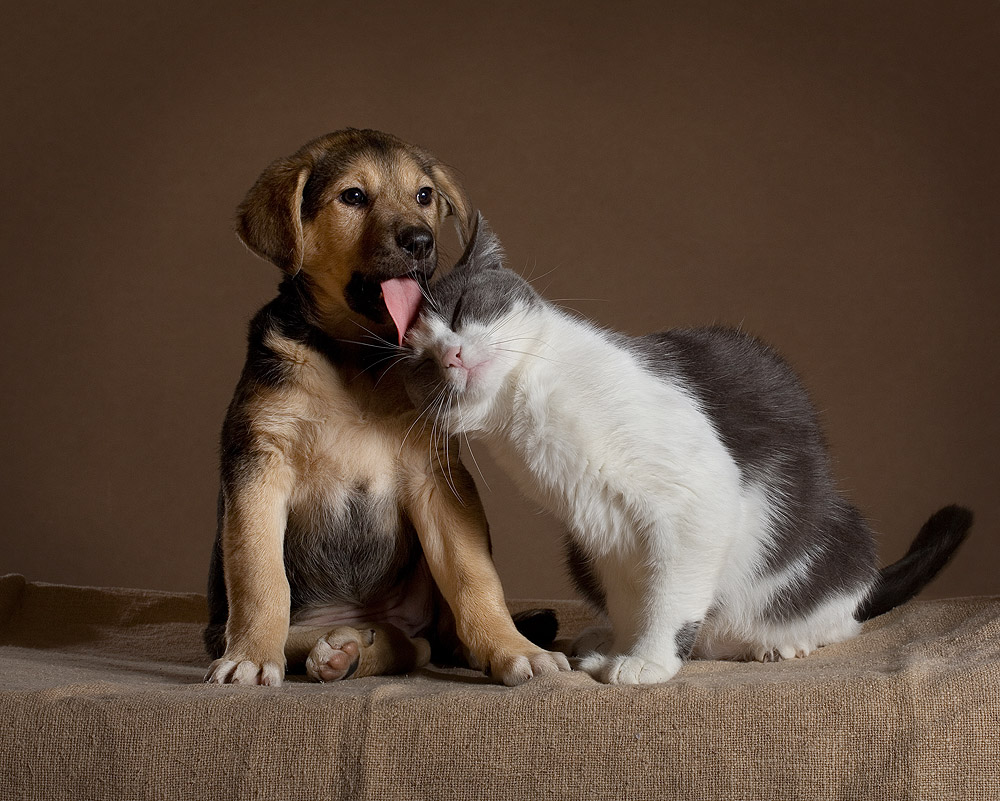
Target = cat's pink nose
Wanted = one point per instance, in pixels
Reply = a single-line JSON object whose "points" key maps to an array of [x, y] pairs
{"points": [[453, 357]]}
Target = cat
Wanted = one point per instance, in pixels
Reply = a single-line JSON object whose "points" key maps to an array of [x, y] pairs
{"points": [[688, 466]]}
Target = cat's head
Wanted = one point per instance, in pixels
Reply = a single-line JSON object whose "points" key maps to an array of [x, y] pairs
{"points": [[472, 332]]}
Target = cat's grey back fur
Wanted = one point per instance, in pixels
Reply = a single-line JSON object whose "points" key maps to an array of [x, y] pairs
{"points": [[764, 417]]}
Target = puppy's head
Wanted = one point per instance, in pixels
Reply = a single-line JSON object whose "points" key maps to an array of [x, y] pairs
{"points": [[347, 211]]}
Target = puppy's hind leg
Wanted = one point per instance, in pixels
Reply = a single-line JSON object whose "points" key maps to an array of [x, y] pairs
{"points": [[345, 652]]}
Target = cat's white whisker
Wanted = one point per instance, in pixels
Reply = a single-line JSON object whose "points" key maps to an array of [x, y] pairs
{"points": [[543, 275], [578, 300], [415, 421], [441, 427], [471, 452], [538, 356], [388, 369], [384, 345], [542, 342]]}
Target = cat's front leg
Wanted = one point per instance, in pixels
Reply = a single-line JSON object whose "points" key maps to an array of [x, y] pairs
{"points": [[657, 599], [653, 657], [643, 665]]}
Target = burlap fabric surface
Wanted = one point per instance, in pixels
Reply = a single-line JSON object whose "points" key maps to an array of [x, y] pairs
{"points": [[103, 699]]}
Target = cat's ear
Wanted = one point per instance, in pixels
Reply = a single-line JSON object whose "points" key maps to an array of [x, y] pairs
{"points": [[483, 250]]}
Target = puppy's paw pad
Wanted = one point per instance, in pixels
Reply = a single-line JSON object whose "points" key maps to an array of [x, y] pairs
{"points": [[513, 669], [545, 663], [337, 655]]}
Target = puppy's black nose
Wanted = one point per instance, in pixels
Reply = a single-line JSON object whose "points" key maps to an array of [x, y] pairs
{"points": [[416, 240]]}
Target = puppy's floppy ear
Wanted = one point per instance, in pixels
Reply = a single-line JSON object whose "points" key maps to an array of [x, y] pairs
{"points": [[269, 220], [456, 201]]}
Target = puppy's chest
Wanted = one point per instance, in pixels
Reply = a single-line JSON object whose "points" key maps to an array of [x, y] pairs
{"points": [[348, 465], [338, 454], [347, 537], [347, 534], [347, 546], [349, 441]]}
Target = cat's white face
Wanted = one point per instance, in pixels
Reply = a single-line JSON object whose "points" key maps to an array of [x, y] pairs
{"points": [[473, 330], [457, 377]]}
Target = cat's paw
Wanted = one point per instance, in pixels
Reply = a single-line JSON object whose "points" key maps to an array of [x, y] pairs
{"points": [[764, 653], [626, 669]]}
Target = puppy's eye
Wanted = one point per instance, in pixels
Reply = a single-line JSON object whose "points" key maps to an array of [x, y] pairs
{"points": [[424, 195], [354, 197]]}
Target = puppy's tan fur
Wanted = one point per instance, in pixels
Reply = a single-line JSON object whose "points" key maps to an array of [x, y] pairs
{"points": [[315, 421]]}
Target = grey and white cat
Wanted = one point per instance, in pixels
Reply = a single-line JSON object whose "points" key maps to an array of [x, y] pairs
{"points": [[688, 466]]}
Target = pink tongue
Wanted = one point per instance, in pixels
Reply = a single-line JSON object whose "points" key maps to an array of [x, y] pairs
{"points": [[402, 299]]}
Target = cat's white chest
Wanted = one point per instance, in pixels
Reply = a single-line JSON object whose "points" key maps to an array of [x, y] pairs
{"points": [[613, 450]]}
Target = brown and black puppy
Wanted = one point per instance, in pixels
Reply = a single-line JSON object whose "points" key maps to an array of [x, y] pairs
{"points": [[341, 522]]}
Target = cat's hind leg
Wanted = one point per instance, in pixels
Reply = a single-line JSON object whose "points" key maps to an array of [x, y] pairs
{"points": [[776, 638], [593, 640]]}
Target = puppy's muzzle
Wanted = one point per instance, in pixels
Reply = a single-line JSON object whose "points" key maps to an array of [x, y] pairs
{"points": [[416, 241]]}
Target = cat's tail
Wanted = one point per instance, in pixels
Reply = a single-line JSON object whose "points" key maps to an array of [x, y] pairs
{"points": [[934, 545]]}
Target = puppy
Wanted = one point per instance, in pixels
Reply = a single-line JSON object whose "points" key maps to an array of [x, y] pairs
{"points": [[342, 522]]}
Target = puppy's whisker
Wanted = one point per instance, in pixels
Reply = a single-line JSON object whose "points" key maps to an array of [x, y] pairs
{"points": [[382, 346], [374, 335], [424, 283]]}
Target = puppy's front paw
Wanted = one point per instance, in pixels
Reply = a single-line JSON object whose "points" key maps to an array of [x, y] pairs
{"points": [[338, 655], [515, 668], [625, 669], [237, 670]]}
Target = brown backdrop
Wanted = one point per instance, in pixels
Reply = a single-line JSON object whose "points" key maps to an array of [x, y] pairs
{"points": [[823, 174]]}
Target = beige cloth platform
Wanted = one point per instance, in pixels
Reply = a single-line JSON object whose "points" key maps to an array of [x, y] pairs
{"points": [[103, 699]]}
